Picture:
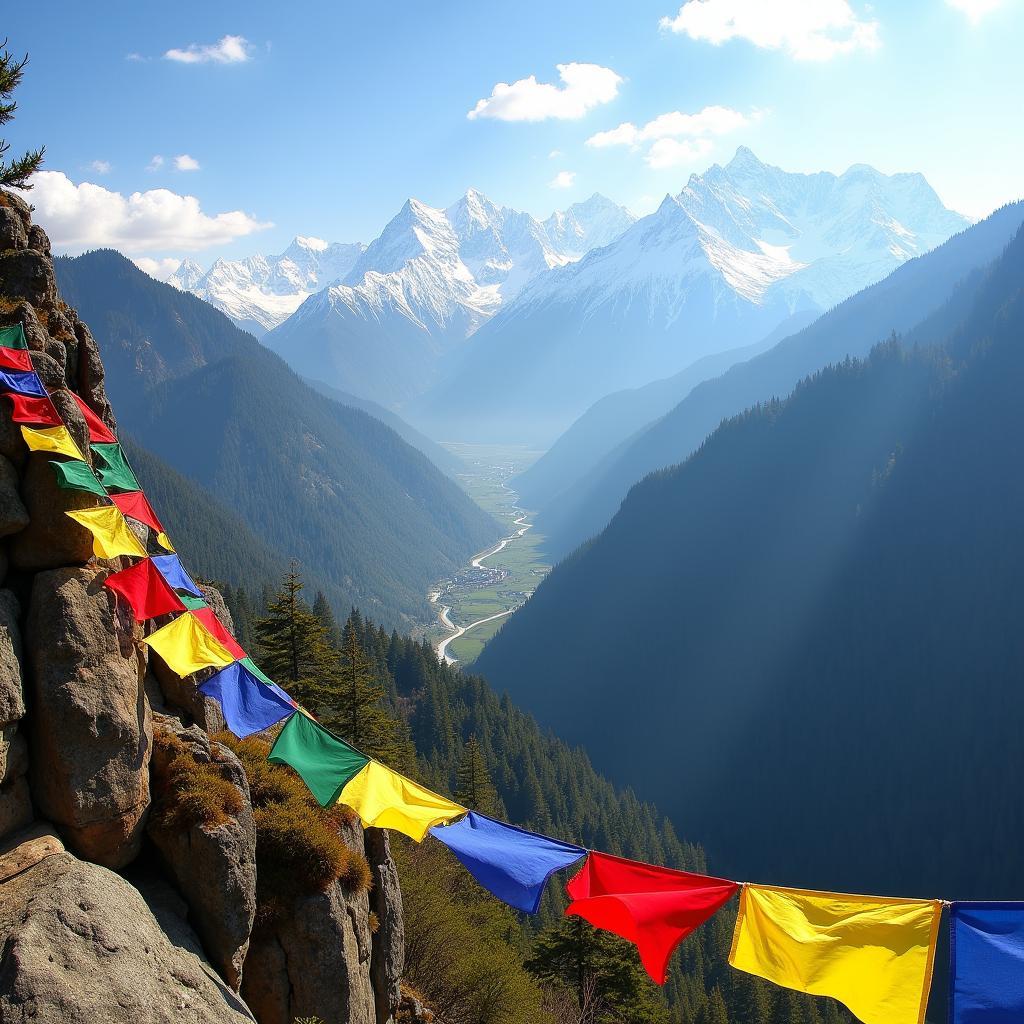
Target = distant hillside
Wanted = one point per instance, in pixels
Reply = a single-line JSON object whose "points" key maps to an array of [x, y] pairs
{"points": [[810, 633], [373, 521], [915, 291]]}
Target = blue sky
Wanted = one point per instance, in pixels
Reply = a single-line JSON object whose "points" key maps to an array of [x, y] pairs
{"points": [[320, 118]]}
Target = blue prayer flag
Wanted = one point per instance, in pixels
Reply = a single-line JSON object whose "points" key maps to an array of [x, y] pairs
{"points": [[508, 861], [987, 963], [173, 571], [22, 383], [248, 705]]}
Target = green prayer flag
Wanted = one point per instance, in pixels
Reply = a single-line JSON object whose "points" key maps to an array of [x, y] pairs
{"points": [[325, 763], [77, 476], [13, 337], [257, 671], [193, 603], [113, 469]]}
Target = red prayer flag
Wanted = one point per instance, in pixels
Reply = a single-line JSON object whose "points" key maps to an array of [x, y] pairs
{"points": [[220, 631], [654, 908], [15, 359], [136, 505], [145, 590], [99, 432], [33, 410]]}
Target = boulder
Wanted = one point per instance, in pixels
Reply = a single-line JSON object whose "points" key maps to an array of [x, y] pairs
{"points": [[13, 754], [315, 962], [88, 374], [15, 807], [50, 370], [82, 946], [90, 724], [214, 869], [13, 514], [388, 959], [12, 229], [23, 849], [29, 275], [12, 698]]}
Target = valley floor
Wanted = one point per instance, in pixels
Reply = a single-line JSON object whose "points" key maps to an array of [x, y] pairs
{"points": [[474, 603]]}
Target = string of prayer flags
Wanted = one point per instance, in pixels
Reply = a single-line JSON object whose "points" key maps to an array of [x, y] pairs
{"points": [[37, 411], [111, 536], [187, 646], [385, 799], [511, 863], [113, 469], [99, 432], [986, 956], [23, 382], [654, 908], [874, 954], [52, 439], [325, 763], [13, 337], [145, 591], [248, 706], [137, 506], [77, 476], [209, 619], [173, 571]]}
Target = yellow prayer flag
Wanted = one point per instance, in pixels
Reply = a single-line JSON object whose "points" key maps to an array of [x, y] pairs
{"points": [[188, 646], [111, 535], [51, 439], [872, 953], [386, 799], [165, 542]]}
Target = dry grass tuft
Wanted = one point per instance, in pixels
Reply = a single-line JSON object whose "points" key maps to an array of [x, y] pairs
{"points": [[190, 792]]}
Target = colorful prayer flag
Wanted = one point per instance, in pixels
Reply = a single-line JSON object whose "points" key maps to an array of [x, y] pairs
{"points": [[16, 359], [209, 619], [99, 432], [13, 337], [510, 862], [23, 382], [113, 469], [111, 536], [386, 799], [325, 763], [145, 591], [38, 411], [986, 956], [52, 439], [874, 954], [187, 646], [194, 603], [249, 706], [164, 541], [174, 572], [654, 908], [77, 476], [136, 505]]}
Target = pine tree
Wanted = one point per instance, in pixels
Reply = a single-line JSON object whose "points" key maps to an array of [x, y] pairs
{"points": [[322, 610], [293, 645], [473, 785], [14, 174]]}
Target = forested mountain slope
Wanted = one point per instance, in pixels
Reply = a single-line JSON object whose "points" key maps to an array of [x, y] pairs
{"points": [[906, 297], [798, 640], [375, 522]]}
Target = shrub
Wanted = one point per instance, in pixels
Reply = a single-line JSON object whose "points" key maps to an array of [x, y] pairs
{"points": [[190, 792]]}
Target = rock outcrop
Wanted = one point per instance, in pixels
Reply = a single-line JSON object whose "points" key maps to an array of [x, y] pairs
{"points": [[119, 899]]}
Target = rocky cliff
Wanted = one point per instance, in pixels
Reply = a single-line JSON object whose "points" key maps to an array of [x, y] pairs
{"points": [[138, 842]]}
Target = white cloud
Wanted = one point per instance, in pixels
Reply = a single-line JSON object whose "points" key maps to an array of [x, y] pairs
{"points": [[184, 162], [161, 269], [677, 152], [101, 166], [555, 154], [136, 58], [974, 9], [156, 163], [88, 216], [584, 86], [805, 29], [563, 179], [227, 50]]}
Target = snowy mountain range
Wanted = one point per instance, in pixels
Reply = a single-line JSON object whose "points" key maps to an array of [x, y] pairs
{"points": [[426, 284], [720, 265]]}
